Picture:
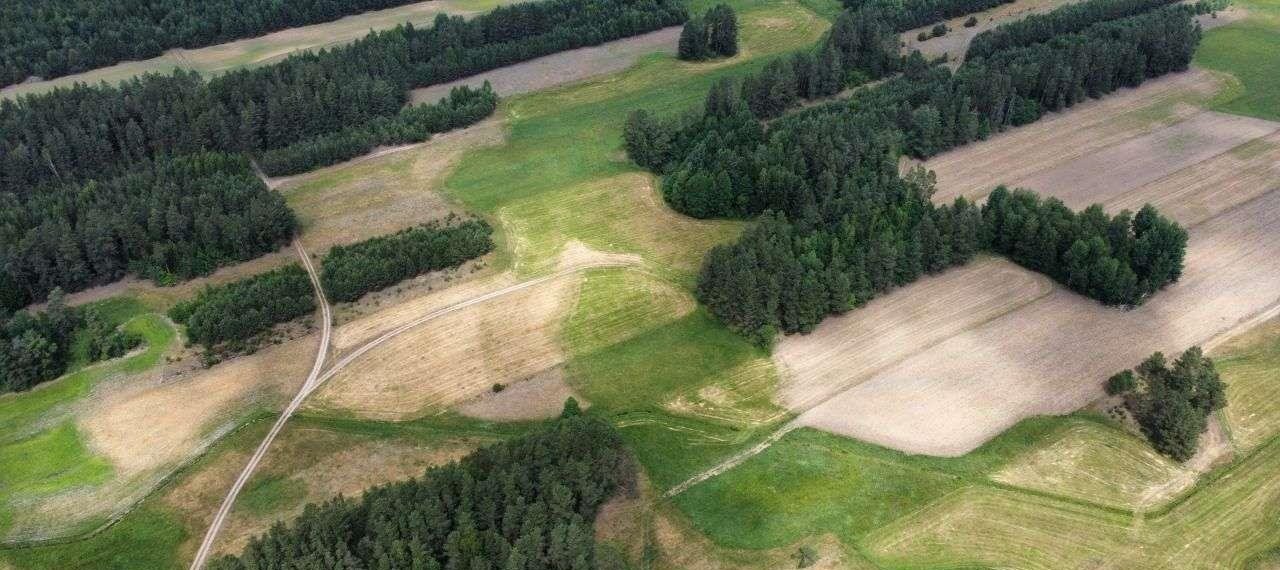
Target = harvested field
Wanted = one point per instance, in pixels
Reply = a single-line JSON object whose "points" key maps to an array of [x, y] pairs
{"points": [[1103, 176], [1051, 356], [251, 52], [956, 42], [1249, 365], [1009, 157], [561, 68], [846, 350], [381, 193], [540, 397], [617, 304]]}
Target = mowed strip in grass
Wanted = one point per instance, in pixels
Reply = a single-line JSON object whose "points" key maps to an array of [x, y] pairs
{"points": [[1247, 50]]}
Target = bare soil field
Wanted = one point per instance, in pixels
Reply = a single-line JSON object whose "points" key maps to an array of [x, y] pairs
{"points": [[956, 42], [1051, 356], [251, 52], [381, 193], [973, 170], [846, 350], [561, 68], [541, 396]]}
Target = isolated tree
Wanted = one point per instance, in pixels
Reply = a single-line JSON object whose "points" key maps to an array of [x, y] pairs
{"points": [[722, 31]]}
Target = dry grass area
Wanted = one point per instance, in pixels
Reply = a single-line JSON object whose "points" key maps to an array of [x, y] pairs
{"points": [[1009, 157], [740, 396], [381, 193], [846, 350], [264, 49], [956, 42], [941, 403], [541, 396], [1248, 364], [561, 68]]}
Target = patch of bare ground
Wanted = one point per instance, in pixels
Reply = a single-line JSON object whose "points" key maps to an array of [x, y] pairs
{"points": [[539, 397], [846, 350], [632, 522], [1051, 356], [461, 354], [1006, 158], [1104, 175], [956, 42], [153, 424], [383, 192], [1230, 15], [561, 68]]}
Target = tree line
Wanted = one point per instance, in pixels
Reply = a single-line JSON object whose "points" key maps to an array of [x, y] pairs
{"points": [[237, 311], [843, 226], [168, 220], [909, 14], [1172, 403], [349, 272], [38, 346], [1069, 19], [524, 504], [463, 107], [52, 38], [715, 34]]}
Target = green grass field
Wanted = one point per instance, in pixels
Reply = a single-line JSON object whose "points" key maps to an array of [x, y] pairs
{"points": [[1247, 50]]}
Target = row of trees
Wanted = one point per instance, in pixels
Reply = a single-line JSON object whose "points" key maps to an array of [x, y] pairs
{"points": [[1119, 260], [38, 346], [525, 504], [463, 107], [242, 309], [1037, 28], [349, 272], [715, 34], [168, 220], [846, 226], [1172, 403], [909, 14], [92, 131], [52, 38]]}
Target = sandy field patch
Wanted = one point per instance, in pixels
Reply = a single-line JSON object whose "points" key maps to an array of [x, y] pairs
{"points": [[252, 52], [846, 350], [455, 357], [974, 169], [1051, 356], [540, 397], [1103, 175], [561, 68], [956, 42]]}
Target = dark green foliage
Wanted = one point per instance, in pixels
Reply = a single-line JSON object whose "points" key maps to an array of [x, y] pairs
{"points": [[571, 408], [105, 341], [1068, 19], [971, 22], [805, 556], [841, 226], [939, 30], [526, 504], [1174, 403], [52, 38], [241, 309], [1118, 260], [1121, 383], [715, 34], [172, 219], [349, 272], [922, 36], [463, 107], [36, 347], [909, 14]]}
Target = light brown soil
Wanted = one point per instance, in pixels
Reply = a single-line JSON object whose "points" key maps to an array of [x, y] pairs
{"points": [[846, 350], [973, 170], [956, 42], [541, 396], [561, 68], [1051, 356]]}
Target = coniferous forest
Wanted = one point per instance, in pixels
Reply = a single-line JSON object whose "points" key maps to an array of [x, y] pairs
{"points": [[52, 38], [349, 272], [87, 184], [525, 504], [1172, 403], [907, 14], [37, 346], [839, 224], [241, 309]]}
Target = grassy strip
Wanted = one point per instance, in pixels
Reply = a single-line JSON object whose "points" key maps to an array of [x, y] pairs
{"points": [[1247, 50]]}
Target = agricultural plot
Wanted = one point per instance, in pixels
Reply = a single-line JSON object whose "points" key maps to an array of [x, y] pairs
{"points": [[252, 52]]}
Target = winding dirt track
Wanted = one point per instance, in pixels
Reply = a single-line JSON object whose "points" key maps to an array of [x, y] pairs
{"points": [[206, 545]]}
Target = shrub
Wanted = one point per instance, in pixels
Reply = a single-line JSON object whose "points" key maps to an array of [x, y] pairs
{"points": [[922, 36], [939, 30], [971, 22], [1121, 383]]}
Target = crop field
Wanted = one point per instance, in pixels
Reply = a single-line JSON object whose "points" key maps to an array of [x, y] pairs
{"points": [[252, 52]]}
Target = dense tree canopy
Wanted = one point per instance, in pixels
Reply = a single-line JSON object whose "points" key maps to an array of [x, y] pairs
{"points": [[38, 346], [713, 35], [526, 504], [1069, 19], [843, 226], [241, 309], [1172, 403], [908, 14], [52, 38], [349, 272]]}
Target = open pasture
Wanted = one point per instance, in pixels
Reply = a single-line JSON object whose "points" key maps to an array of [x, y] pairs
{"points": [[252, 52]]}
